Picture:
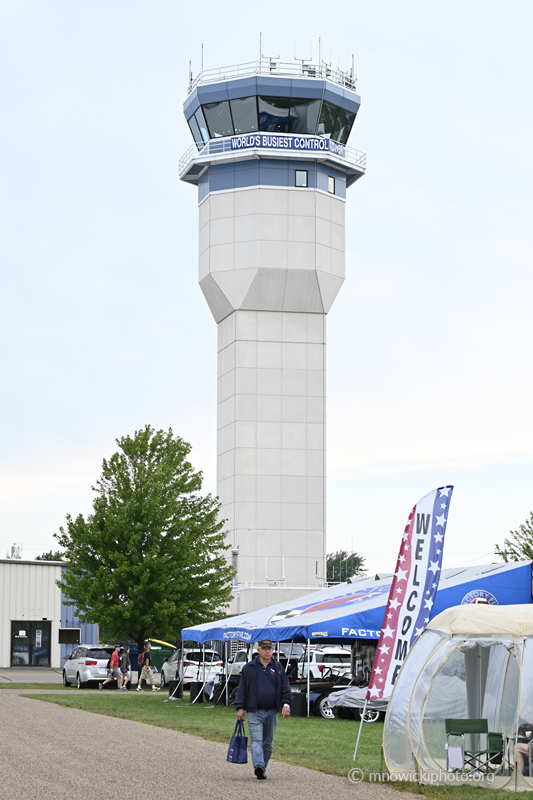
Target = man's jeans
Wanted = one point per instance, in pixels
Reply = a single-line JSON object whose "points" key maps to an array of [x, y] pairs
{"points": [[262, 726]]}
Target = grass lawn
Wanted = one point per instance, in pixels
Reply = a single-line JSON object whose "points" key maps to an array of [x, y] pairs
{"points": [[315, 743]]}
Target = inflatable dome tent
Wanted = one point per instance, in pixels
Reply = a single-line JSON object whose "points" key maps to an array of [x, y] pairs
{"points": [[472, 666]]}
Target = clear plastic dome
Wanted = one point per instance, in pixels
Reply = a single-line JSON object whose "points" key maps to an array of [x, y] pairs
{"points": [[472, 663]]}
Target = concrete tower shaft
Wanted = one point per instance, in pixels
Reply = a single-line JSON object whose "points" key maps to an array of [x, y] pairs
{"points": [[272, 168]]}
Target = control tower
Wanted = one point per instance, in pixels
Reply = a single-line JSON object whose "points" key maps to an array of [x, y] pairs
{"points": [[272, 166]]}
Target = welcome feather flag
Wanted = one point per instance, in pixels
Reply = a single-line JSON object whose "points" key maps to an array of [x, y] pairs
{"points": [[413, 589]]}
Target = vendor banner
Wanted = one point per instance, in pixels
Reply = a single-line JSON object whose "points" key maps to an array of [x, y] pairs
{"points": [[413, 589]]}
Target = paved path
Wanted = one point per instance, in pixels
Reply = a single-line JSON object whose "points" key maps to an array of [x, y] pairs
{"points": [[38, 675], [53, 753], [30, 675]]}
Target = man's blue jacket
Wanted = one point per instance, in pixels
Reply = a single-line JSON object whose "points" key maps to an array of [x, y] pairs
{"points": [[247, 694]]}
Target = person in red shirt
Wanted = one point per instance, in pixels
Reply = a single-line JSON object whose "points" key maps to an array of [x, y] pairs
{"points": [[114, 671]]}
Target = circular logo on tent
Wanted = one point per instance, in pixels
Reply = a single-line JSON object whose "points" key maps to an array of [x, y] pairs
{"points": [[479, 597]]}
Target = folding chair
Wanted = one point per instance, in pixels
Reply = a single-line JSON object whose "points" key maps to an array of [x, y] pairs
{"points": [[470, 754]]}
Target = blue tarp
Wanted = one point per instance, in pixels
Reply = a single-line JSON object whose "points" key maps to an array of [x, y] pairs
{"points": [[356, 610]]}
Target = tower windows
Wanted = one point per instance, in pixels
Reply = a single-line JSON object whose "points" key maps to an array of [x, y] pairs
{"points": [[307, 116], [244, 112], [303, 116], [331, 184], [274, 114], [328, 118], [218, 117]]}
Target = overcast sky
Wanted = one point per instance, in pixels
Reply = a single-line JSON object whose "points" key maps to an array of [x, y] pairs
{"points": [[104, 328]]}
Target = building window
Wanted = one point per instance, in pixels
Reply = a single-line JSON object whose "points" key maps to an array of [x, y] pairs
{"points": [[328, 118], [300, 178], [195, 130], [69, 635], [331, 184], [218, 118], [244, 113]]}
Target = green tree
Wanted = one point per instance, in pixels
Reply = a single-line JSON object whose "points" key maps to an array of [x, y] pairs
{"points": [[342, 565], [51, 555], [149, 559], [520, 546]]}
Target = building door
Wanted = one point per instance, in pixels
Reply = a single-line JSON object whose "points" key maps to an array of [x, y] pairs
{"points": [[30, 643]]}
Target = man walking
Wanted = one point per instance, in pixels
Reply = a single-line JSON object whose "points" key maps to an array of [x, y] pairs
{"points": [[125, 666], [146, 672], [114, 670], [263, 691]]}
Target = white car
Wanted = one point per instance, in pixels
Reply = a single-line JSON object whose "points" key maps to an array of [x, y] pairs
{"points": [[193, 666], [325, 662], [281, 653], [87, 664]]}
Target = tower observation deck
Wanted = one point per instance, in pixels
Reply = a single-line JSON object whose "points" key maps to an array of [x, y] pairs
{"points": [[271, 162]]}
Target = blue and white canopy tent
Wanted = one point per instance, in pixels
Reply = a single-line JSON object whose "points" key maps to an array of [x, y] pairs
{"points": [[348, 611]]}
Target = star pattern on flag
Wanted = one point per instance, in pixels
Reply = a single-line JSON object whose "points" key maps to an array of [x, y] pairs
{"points": [[388, 631], [438, 537], [441, 520], [418, 631], [394, 603], [384, 649], [401, 574], [428, 604], [445, 491], [433, 567], [374, 691]]}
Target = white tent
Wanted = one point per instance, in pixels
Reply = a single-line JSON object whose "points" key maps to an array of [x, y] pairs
{"points": [[475, 657]]}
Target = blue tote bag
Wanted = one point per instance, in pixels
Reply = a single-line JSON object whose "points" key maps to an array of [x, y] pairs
{"points": [[237, 753]]}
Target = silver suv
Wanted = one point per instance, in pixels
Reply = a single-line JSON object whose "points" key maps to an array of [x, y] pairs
{"points": [[193, 666], [282, 652], [87, 664]]}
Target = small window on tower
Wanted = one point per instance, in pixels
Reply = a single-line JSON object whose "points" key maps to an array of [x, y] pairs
{"points": [[300, 178], [331, 184]]}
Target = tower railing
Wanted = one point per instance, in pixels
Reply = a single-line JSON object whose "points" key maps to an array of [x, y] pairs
{"points": [[218, 146], [272, 67]]}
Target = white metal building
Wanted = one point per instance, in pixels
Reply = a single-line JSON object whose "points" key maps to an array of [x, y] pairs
{"points": [[36, 627]]}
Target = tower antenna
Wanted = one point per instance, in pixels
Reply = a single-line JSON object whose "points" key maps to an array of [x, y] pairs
{"points": [[270, 58]]}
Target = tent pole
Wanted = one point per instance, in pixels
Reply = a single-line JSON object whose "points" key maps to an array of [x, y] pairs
{"points": [[227, 645], [289, 657], [360, 728], [308, 676], [181, 670]]}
